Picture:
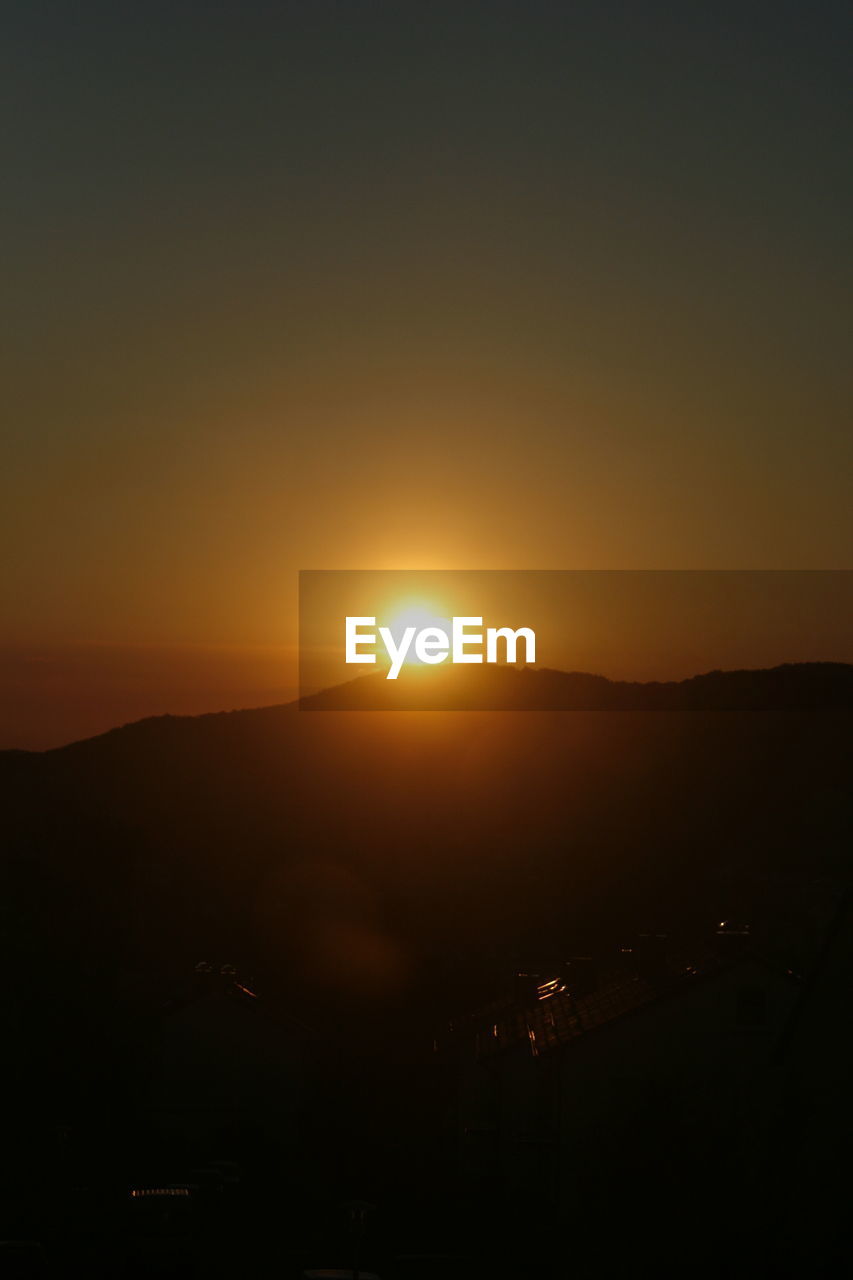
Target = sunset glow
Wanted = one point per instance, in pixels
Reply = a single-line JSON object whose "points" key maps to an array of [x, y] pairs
{"points": [[420, 616], [426, 658]]}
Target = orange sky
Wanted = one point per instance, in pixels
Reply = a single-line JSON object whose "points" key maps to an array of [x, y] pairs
{"points": [[627, 625], [551, 290]]}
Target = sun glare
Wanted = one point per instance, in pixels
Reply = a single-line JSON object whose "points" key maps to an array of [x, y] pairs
{"points": [[417, 614]]}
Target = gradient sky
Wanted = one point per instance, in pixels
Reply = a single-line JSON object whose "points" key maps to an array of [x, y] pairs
{"points": [[371, 285]]}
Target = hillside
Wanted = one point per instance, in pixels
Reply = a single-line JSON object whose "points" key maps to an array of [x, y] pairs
{"points": [[389, 852], [793, 686]]}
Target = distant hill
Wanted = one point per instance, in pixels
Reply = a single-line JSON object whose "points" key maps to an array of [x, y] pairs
{"points": [[808, 686], [794, 686], [399, 855]]}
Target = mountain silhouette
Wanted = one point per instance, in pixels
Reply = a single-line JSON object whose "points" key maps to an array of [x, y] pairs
{"points": [[793, 686], [384, 851], [380, 873]]}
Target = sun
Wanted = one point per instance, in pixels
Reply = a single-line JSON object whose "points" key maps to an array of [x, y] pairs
{"points": [[413, 613]]}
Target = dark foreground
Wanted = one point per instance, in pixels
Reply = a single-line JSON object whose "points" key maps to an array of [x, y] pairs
{"points": [[478, 996]]}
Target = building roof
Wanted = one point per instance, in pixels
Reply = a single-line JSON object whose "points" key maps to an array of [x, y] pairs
{"points": [[556, 1017]]}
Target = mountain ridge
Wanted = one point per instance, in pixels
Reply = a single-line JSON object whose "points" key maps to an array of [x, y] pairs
{"points": [[787, 686]]}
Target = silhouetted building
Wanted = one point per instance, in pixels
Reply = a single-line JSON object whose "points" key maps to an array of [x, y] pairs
{"points": [[566, 1100]]}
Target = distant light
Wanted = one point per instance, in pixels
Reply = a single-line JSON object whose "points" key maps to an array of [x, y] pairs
{"points": [[138, 1193]]}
